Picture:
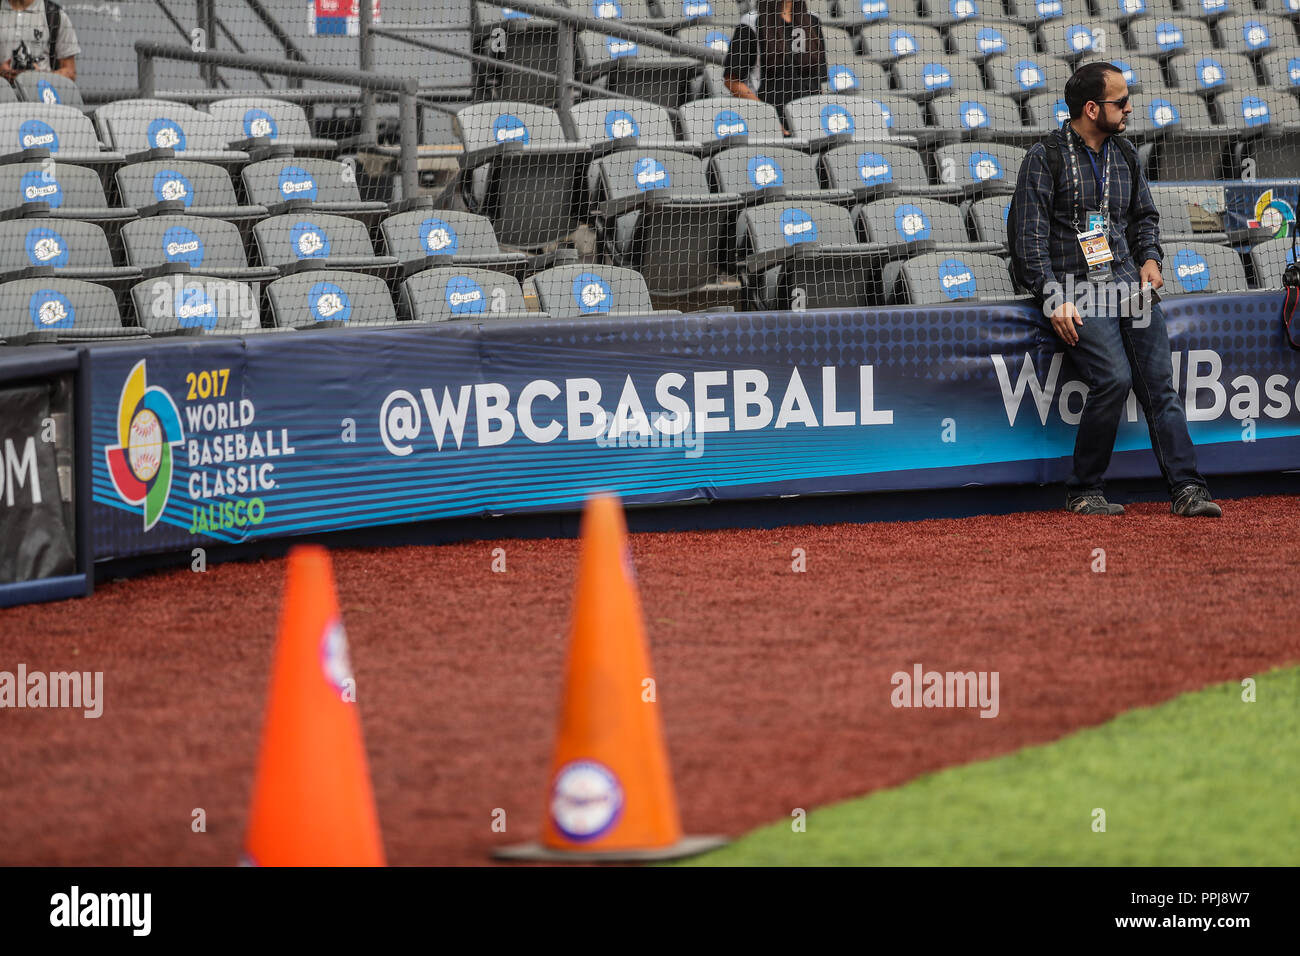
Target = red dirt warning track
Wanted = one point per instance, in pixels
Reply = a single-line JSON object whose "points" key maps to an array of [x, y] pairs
{"points": [[774, 685]]}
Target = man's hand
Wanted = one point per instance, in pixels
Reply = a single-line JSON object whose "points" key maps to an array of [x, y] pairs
{"points": [[1150, 274], [1064, 319], [7, 70]]}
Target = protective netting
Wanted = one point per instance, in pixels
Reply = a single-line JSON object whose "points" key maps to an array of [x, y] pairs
{"points": [[238, 199]]}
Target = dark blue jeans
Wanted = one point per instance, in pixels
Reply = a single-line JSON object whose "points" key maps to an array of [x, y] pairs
{"points": [[1113, 355]]}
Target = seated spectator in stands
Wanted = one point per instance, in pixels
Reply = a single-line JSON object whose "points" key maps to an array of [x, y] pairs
{"points": [[776, 54], [36, 35]]}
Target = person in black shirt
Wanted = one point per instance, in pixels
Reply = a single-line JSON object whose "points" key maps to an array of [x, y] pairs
{"points": [[776, 54]]}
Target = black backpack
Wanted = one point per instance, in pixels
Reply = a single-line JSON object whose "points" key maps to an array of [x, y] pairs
{"points": [[53, 23], [1055, 163]]}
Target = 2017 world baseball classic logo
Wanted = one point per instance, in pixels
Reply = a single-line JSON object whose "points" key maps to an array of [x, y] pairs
{"points": [[140, 464]]}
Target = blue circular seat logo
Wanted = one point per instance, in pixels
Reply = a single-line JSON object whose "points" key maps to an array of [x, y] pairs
{"points": [[717, 40], [45, 247], [297, 183], [836, 120], [606, 9], [1163, 113], [973, 115], [51, 309], [1132, 8], [464, 296], [956, 279], [47, 93], [984, 166], [911, 222], [989, 41], [873, 10], [1047, 9], [840, 78], [618, 48], [729, 123], [697, 8], [1168, 35], [36, 186], [1123, 68], [592, 293], [194, 309], [1029, 75], [765, 171], [438, 238], [874, 168], [1006, 212], [620, 124], [1079, 38], [1255, 35], [509, 128], [651, 174], [309, 241], [37, 134], [510, 14], [328, 302], [171, 186], [1061, 111], [963, 9], [164, 133], [902, 43], [797, 226], [1293, 68], [1209, 72], [183, 245], [1191, 270], [1254, 111], [935, 76], [260, 123]]}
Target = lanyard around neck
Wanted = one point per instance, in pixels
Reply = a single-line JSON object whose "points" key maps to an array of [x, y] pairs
{"points": [[1102, 179]]}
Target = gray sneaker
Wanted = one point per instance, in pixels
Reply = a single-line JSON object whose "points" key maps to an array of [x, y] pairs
{"points": [[1094, 504], [1193, 501]]}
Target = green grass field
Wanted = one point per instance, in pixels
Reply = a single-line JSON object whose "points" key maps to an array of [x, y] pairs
{"points": [[1204, 779]]}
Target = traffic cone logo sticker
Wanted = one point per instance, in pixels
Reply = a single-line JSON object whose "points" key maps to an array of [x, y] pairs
{"points": [[334, 659], [586, 800]]}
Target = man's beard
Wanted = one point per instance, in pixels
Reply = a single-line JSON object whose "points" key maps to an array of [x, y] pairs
{"points": [[1110, 128]]}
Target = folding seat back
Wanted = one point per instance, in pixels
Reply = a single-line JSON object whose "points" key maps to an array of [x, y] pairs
{"points": [[1124, 11], [170, 303], [414, 236], [294, 237], [823, 118], [846, 71], [949, 13], [182, 185], [458, 292], [58, 309], [880, 169], [277, 121], [1256, 34], [302, 182], [887, 42], [330, 296], [1032, 12], [1167, 112], [910, 225], [1259, 110], [1280, 8], [1270, 260], [939, 278], [43, 86], [1162, 37], [1047, 111], [980, 115], [63, 130], [1212, 10], [592, 290], [1072, 38], [699, 11], [714, 37], [731, 121], [628, 68], [1210, 71], [1195, 267], [614, 119], [206, 245], [762, 173], [922, 77], [981, 169], [1282, 69], [979, 40], [68, 246], [1023, 75], [145, 125], [1141, 73], [66, 188], [989, 216]]}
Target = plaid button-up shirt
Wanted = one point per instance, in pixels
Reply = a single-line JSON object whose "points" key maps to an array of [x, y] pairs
{"points": [[1046, 244]]}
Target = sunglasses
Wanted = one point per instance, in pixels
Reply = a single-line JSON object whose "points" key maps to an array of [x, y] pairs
{"points": [[1121, 102]]}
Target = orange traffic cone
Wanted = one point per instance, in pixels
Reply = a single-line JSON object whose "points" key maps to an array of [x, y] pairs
{"points": [[611, 791], [312, 803]]}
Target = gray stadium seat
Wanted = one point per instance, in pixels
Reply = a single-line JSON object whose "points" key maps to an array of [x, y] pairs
{"points": [[196, 305], [166, 245], [593, 290], [517, 150], [846, 71], [59, 310], [1162, 37], [57, 190], [767, 173], [1259, 111], [875, 170], [65, 247], [256, 118], [924, 77], [627, 68], [1270, 260], [714, 37], [726, 121], [610, 123], [330, 298], [947, 13], [913, 225], [43, 86], [1211, 10], [1125, 11], [691, 12], [304, 241], [1072, 38], [1194, 267], [1177, 124], [979, 115], [979, 40], [989, 217], [1141, 73], [512, 36], [28, 130], [938, 278], [1176, 219], [424, 239], [887, 42], [184, 187], [296, 184], [1256, 34], [1210, 71], [1281, 69], [448, 293], [1021, 76], [830, 119], [1047, 111], [806, 255], [980, 169], [1034, 12], [655, 214], [158, 129]]}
